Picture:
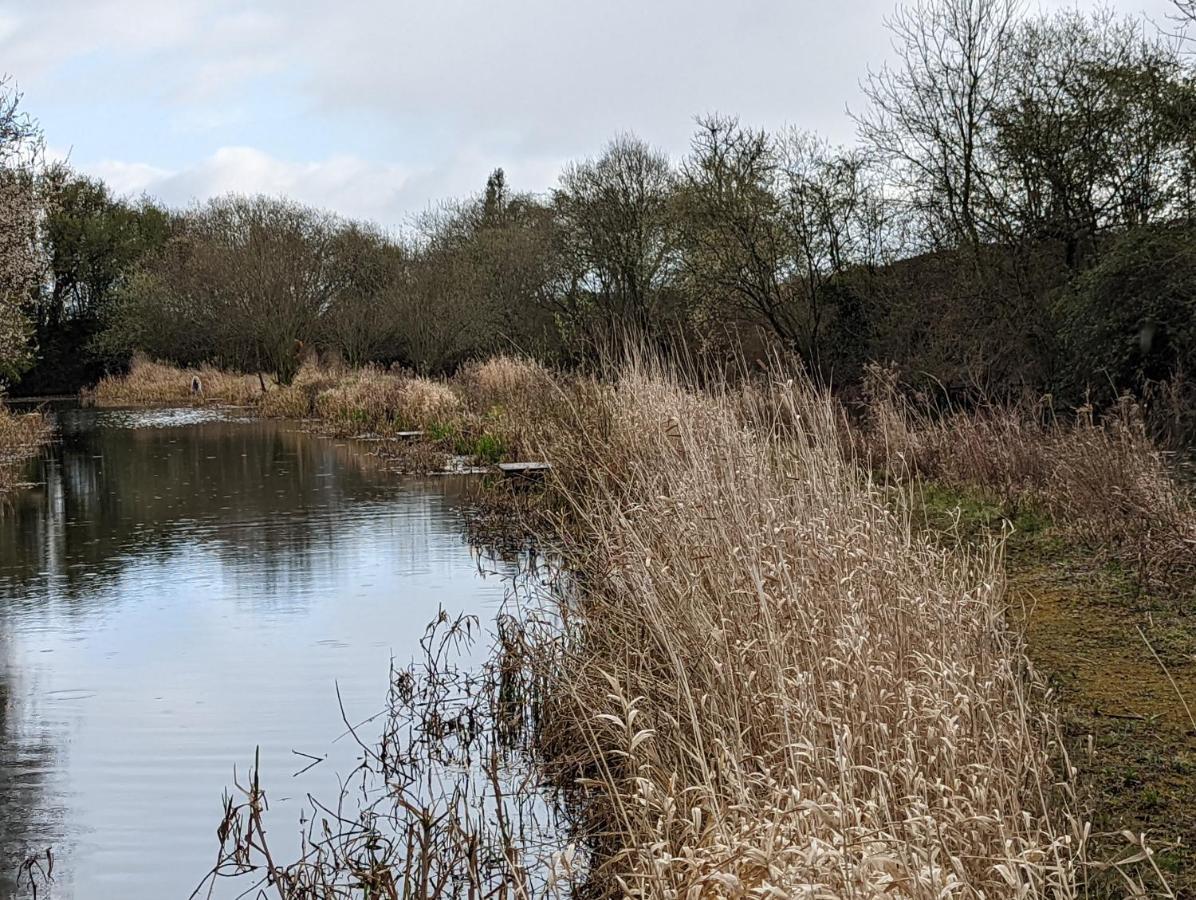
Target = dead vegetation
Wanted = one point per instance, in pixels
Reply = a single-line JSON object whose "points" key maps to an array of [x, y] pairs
{"points": [[760, 679], [150, 383], [1097, 474]]}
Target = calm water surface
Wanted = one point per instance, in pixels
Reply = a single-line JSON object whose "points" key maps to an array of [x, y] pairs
{"points": [[181, 587]]}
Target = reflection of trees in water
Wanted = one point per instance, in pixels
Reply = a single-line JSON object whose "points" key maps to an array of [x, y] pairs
{"points": [[253, 492], [264, 499], [24, 760]]}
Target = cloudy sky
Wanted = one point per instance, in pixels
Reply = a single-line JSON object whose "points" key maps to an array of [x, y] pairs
{"points": [[376, 108]]}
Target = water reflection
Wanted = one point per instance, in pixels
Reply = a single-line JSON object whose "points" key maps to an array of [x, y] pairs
{"points": [[179, 587]]}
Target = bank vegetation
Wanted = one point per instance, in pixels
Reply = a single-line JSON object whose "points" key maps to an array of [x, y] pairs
{"points": [[787, 648]]}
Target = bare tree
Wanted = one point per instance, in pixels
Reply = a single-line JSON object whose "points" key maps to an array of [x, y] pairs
{"points": [[1095, 133], [769, 223], [617, 235], [362, 321], [834, 219], [930, 113], [482, 278], [734, 231]]}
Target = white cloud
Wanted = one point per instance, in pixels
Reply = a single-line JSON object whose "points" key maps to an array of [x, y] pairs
{"points": [[382, 193], [377, 107], [128, 178]]}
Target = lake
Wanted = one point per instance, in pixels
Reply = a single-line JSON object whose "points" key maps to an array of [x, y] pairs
{"points": [[179, 588]]}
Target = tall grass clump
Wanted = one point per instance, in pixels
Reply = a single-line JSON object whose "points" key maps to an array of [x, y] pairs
{"points": [[297, 400], [773, 686], [508, 403], [150, 383], [364, 400], [423, 403]]}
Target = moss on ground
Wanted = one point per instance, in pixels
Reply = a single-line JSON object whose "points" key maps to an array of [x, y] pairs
{"points": [[1087, 622]]}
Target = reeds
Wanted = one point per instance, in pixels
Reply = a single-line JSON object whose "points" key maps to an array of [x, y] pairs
{"points": [[150, 383], [1100, 477], [760, 680], [776, 686]]}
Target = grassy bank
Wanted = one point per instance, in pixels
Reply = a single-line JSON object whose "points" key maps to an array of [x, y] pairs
{"points": [[779, 684], [892, 654], [1120, 658], [480, 414], [21, 436], [1099, 534]]}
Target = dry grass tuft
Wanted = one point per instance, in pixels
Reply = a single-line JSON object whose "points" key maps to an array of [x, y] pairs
{"points": [[424, 403], [366, 400], [502, 382], [509, 403], [297, 400]]}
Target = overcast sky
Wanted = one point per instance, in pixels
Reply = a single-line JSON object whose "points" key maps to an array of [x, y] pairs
{"points": [[376, 108]]}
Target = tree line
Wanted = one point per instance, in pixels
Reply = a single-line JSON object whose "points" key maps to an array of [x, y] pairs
{"points": [[1019, 212]]}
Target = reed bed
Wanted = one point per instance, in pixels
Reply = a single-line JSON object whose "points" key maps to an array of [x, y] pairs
{"points": [[21, 436], [759, 680], [777, 687], [149, 383]]}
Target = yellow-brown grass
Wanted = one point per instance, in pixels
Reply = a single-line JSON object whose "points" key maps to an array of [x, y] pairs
{"points": [[424, 403], [773, 686], [510, 401], [502, 382], [149, 383], [366, 400], [1101, 478], [297, 400]]}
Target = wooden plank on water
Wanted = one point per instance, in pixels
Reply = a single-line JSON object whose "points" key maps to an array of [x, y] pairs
{"points": [[535, 470]]}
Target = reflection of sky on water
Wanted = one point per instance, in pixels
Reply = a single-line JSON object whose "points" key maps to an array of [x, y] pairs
{"points": [[175, 593]]}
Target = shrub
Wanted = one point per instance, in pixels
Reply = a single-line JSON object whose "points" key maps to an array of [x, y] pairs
{"points": [[1131, 318]]}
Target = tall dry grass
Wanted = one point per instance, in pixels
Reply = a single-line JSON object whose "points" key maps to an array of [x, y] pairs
{"points": [[514, 400], [1100, 477], [773, 686], [751, 676], [150, 383]]}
